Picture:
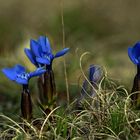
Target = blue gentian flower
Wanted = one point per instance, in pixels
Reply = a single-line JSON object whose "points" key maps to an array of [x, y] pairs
{"points": [[18, 74], [40, 52], [95, 73], [134, 53]]}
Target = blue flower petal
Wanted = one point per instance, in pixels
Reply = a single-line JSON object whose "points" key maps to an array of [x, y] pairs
{"points": [[35, 48], [43, 60], [136, 50], [19, 69], [21, 81], [49, 50], [132, 56], [95, 73], [45, 44], [91, 72], [10, 73], [30, 55], [38, 72], [62, 52]]}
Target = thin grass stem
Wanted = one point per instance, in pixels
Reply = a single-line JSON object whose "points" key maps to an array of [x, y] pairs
{"points": [[42, 127], [63, 45]]}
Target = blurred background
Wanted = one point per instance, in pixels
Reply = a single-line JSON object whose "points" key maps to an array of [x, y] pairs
{"points": [[104, 28]]}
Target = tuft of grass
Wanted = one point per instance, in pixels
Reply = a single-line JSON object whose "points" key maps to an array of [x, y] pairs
{"points": [[111, 118]]}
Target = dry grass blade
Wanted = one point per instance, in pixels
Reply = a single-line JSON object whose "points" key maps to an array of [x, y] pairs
{"points": [[42, 127], [63, 44], [112, 132], [14, 123], [31, 126]]}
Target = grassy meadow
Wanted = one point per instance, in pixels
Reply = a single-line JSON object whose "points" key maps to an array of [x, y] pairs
{"points": [[102, 30]]}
